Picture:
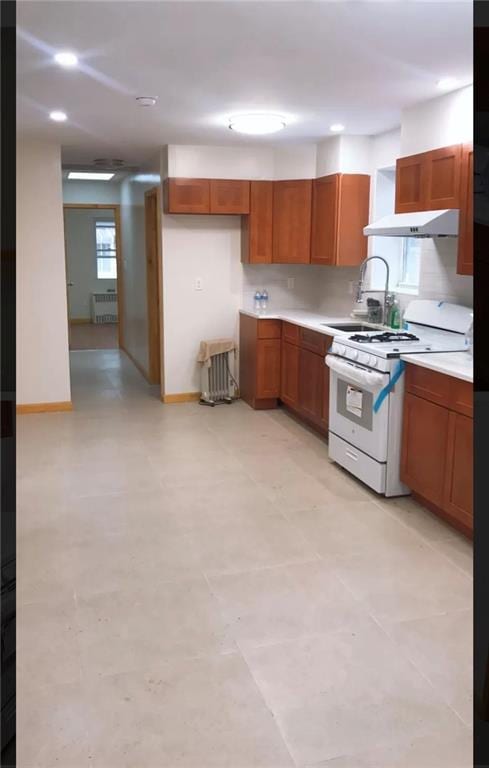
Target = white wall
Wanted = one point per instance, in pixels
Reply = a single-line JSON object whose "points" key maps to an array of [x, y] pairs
{"points": [[42, 320], [81, 259], [209, 248], [438, 122], [100, 192]]}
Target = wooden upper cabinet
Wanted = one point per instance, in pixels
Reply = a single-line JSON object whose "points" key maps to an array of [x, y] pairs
{"points": [[292, 207], [256, 228], [340, 209], [443, 178], [229, 196], [465, 259], [410, 184], [187, 196], [429, 181]]}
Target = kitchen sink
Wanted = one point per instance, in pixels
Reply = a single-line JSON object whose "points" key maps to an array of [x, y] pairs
{"points": [[352, 327]]}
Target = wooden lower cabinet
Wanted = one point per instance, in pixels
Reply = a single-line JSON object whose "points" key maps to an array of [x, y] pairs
{"points": [[289, 386], [459, 491], [437, 456], [425, 436], [310, 385], [267, 368]]}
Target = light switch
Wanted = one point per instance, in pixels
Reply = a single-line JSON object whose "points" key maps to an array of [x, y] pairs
{"points": [[198, 283]]}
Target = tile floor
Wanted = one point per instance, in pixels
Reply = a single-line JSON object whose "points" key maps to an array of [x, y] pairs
{"points": [[201, 588], [93, 336]]}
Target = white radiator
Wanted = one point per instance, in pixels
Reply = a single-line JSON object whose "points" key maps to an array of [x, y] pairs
{"points": [[217, 384], [104, 308]]}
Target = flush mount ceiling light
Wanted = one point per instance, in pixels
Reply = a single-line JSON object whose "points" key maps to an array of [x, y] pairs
{"points": [[66, 59], [257, 124], [146, 101], [90, 176], [447, 83], [337, 127], [58, 116]]}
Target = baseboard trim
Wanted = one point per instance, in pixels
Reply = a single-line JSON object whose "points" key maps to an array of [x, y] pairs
{"points": [[181, 397], [64, 405], [80, 320], [135, 362]]}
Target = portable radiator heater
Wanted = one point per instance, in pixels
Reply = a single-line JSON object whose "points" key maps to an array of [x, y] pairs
{"points": [[104, 308], [218, 384]]}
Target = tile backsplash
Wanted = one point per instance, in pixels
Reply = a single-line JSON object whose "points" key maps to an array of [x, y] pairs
{"points": [[328, 289]]}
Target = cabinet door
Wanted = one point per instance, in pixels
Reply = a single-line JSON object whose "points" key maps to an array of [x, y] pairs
{"points": [[256, 228], [187, 196], [268, 368], [410, 184], [443, 178], [424, 442], [465, 259], [459, 478], [289, 386], [354, 206], [230, 196], [292, 207], [311, 384], [324, 229]]}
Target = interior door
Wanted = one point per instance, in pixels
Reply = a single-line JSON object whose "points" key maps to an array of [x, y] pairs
{"points": [[153, 273]]}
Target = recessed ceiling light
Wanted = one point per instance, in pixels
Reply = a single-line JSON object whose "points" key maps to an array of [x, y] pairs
{"points": [[90, 176], [447, 83], [257, 124], [58, 116], [337, 127], [146, 101], [66, 59]]}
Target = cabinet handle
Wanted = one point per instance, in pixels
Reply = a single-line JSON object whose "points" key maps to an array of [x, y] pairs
{"points": [[352, 455]]}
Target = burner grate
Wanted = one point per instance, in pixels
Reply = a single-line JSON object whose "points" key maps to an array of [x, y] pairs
{"points": [[384, 338]]}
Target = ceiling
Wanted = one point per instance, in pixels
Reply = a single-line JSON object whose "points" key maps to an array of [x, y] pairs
{"points": [[358, 63]]}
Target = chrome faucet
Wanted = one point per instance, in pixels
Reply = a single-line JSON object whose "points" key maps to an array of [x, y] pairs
{"points": [[360, 291]]}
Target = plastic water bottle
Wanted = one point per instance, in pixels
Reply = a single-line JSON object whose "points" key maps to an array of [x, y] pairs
{"points": [[257, 304], [264, 300]]}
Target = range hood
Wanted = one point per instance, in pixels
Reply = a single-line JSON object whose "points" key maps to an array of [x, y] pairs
{"points": [[423, 224]]}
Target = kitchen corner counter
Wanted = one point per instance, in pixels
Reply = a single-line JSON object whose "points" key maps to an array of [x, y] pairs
{"points": [[460, 365]]}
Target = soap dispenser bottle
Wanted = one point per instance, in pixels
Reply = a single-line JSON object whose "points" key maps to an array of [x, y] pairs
{"points": [[395, 315]]}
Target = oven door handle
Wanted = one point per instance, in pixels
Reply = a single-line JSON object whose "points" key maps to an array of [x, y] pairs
{"points": [[368, 379]]}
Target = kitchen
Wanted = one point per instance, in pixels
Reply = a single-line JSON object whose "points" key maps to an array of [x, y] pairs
{"points": [[285, 581]]}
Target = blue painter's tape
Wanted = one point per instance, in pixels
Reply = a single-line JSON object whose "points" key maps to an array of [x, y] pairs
{"points": [[399, 370]]}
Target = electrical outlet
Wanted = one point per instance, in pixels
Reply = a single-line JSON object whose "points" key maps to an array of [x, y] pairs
{"points": [[198, 283], [290, 282]]}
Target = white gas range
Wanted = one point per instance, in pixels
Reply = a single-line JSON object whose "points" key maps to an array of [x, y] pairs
{"points": [[367, 389]]}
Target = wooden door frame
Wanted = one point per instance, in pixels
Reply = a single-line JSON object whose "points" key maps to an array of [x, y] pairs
{"points": [[155, 320], [116, 208]]}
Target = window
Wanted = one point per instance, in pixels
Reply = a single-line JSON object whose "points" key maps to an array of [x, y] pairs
{"points": [[106, 250], [409, 273]]}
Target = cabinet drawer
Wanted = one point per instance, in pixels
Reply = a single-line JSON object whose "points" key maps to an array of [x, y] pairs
{"points": [[314, 341], [430, 385], [290, 333], [462, 396], [269, 329]]}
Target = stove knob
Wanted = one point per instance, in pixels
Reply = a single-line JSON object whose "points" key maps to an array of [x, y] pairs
{"points": [[364, 358], [340, 350], [353, 354], [334, 348], [373, 362]]}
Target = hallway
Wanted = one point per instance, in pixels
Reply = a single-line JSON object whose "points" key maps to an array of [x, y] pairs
{"points": [[201, 587]]}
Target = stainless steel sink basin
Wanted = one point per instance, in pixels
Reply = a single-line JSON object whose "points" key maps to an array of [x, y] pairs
{"points": [[352, 327]]}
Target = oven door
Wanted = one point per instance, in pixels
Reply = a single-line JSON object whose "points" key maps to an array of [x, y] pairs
{"points": [[353, 390]]}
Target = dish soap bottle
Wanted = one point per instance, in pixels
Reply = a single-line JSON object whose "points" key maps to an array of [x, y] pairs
{"points": [[395, 315]]}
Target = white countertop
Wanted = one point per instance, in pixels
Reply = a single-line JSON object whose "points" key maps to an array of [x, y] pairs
{"points": [[457, 364], [308, 319]]}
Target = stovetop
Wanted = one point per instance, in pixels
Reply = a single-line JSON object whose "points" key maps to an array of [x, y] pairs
{"points": [[383, 338]]}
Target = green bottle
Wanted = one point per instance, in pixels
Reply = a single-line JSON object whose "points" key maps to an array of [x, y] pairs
{"points": [[395, 315]]}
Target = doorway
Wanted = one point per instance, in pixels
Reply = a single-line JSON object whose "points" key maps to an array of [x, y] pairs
{"points": [[93, 275]]}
